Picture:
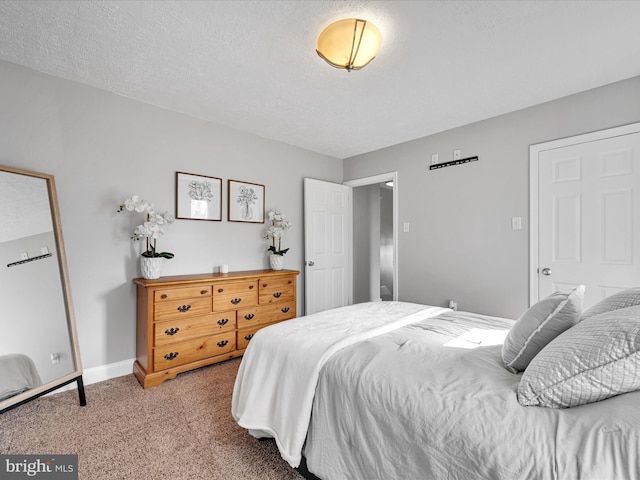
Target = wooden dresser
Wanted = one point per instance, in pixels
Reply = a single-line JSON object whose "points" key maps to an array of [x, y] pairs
{"points": [[189, 321]]}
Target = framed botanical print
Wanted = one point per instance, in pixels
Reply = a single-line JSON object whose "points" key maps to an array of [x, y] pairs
{"points": [[246, 202], [198, 197]]}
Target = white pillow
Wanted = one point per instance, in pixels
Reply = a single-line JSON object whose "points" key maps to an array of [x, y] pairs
{"points": [[596, 359], [543, 322], [623, 299]]}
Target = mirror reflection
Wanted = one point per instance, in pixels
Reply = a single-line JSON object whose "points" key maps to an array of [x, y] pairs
{"points": [[37, 342]]}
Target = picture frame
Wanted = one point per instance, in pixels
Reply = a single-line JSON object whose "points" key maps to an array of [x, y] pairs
{"points": [[245, 202], [198, 197]]}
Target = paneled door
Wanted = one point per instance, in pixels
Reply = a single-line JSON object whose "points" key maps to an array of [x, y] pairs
{"points": [[588, 202], [327, 216]]}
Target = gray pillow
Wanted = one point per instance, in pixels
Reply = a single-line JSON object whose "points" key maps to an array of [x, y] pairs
{"points": [[623, 299], [596, 359], [539, 325]]}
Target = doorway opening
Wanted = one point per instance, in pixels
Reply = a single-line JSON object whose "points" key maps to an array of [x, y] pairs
{"points": [[374, 234]]}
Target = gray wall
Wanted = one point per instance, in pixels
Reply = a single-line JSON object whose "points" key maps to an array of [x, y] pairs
{"points": [[460, 245], [103, 148]]}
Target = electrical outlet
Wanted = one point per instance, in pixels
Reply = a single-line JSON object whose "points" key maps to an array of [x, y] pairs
{"points": [[405, 227], [456, 154], [55, 358], [434, 159], [24, 256], [44, 250], [453, 305]]}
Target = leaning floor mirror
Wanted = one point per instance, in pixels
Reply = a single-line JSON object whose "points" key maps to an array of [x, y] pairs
{"points": [[38, 342]]}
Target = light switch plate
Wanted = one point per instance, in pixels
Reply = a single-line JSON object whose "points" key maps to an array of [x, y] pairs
{"points": [[516, 223]]}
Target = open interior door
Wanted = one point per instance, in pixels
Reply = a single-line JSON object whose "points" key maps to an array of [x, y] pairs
{"points": [[327, 220]]}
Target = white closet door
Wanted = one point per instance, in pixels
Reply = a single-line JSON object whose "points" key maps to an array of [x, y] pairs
{"points": [[588, 216]]}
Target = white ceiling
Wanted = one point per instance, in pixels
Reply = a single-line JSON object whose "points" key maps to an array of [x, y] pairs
{"points": [[252, 65]]}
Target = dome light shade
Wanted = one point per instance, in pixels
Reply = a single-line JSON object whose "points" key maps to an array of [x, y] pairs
{"points": [[349, 44]]}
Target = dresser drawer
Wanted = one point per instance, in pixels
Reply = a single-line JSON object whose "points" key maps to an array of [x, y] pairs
{"points": [[234, 288], [179, 329], [245, 336], [261, 315], [284, 311], [225, 320], [277, 290], [179, 353], [234, 300], [170, 294], [189, 307]]}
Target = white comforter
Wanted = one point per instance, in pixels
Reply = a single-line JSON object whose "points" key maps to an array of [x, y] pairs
{"points": [[18, 374], [276, 382], [432, 400]]}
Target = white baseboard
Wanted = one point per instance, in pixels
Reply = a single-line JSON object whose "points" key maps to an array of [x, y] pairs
{"points": [[101, 373], [106, 372]]}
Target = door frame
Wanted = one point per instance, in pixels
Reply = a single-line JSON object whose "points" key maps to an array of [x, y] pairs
{"points": [[372, 180], [534, 152]]}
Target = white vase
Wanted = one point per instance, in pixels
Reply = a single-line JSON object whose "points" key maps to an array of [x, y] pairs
{"points": [[151, 267], [276, 261]]}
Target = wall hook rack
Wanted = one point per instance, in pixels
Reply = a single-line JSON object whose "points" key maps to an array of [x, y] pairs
{"points": [[453, 162], [32, 259]]}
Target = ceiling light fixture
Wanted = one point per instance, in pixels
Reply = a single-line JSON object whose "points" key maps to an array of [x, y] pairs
{"points": [[349, 44]]}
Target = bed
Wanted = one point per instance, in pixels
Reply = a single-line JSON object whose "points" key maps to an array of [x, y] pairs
{"points": [[423, 394], [18, 374]]}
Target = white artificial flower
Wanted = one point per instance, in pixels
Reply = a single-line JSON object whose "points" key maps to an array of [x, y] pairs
{"points": [[275, 231], [151, 229]]}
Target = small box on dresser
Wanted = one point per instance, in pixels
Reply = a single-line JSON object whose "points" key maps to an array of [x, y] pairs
{"points": [[189, 321]]}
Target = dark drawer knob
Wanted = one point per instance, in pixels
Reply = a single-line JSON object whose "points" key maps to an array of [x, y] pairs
{"points": [[250, 287], [172, 331], [204, 292], [265, 285], [277, 294], [248, 337], [163, 296], [220, 290], [171, 355], [222, 343], [184, 308], [249, 316], [223, 321], [285, 309], [290, 282], [236, 301]]}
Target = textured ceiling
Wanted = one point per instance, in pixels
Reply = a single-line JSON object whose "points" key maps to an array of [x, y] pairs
{"points": [[252, 65]]}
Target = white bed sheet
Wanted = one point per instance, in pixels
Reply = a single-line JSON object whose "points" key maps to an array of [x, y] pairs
{"points": [[275, 385], [432, 400]]}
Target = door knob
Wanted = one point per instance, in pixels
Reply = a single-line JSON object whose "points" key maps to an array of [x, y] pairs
{"points": [[311, 263], [546, 271]]}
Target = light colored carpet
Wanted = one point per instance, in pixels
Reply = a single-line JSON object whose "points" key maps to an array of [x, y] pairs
{"points": [[182, 429]]}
